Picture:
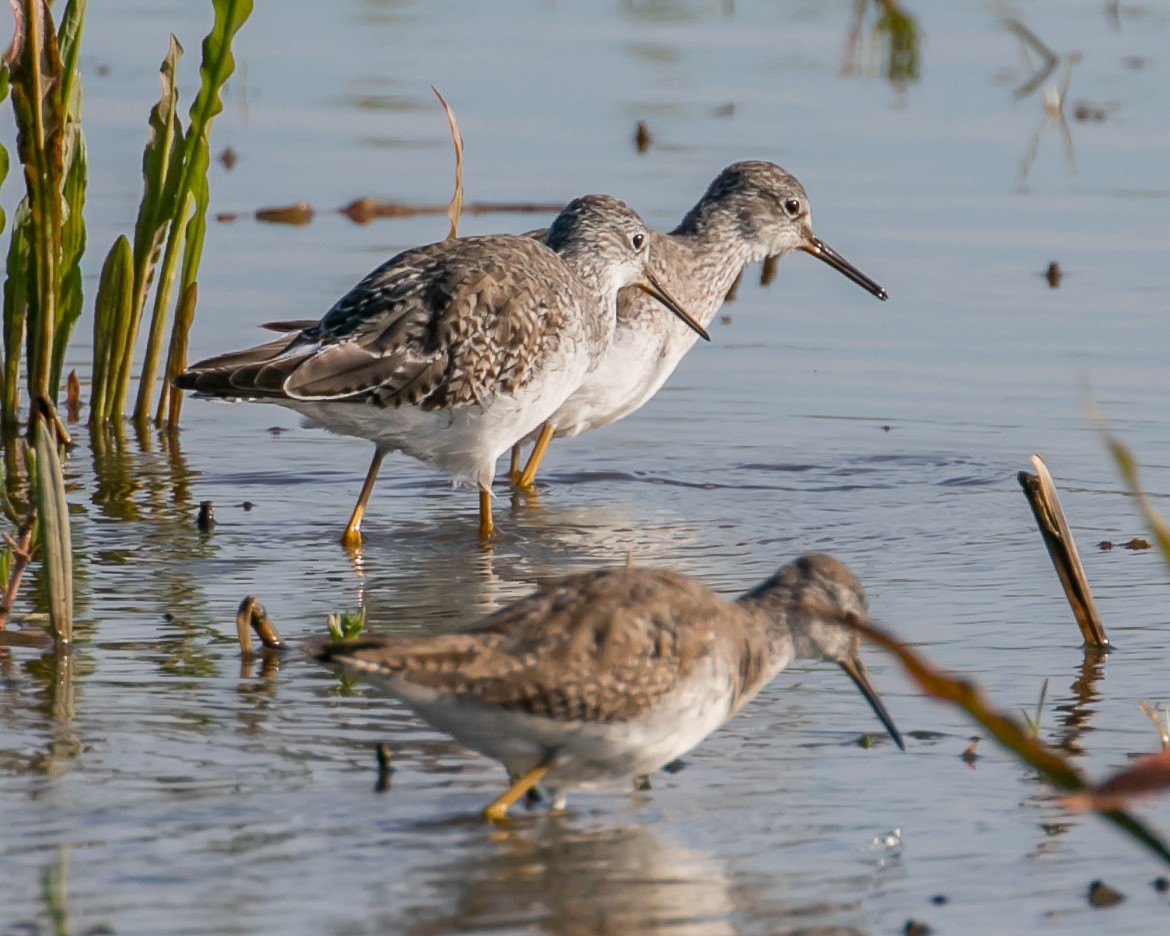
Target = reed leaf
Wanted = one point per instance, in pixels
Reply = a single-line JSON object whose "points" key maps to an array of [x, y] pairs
{"points": [[1128, 468], [171, 397], [161, 169], [112, 334], [73, 238], [3, 150], [1053, 766], [36, 76], [56, 544], [215, 68], [15, 311]]}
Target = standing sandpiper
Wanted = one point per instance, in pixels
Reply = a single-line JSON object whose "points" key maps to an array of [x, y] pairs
{"points": [[612, 674], [752, 210], [454, 351]]}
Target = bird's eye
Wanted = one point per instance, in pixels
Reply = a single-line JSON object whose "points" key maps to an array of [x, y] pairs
{"points": [[638, 240], [792, 207]]}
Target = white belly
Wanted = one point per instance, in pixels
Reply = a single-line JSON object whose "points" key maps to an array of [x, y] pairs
{"points": [[582, 751], [464, 442]]}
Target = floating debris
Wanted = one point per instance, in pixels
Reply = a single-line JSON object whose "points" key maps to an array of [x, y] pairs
{"points": [[385, 768], [1136, 544], [205, 520], [1101, 895], [642, 138], [1054, 274], [72, 397], [298, 213]]}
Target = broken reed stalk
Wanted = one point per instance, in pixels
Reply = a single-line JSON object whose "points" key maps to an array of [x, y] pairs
{"points": [[1040, 491], [251, 616], [456, 206]]}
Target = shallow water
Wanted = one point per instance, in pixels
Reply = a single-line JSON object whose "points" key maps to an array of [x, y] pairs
{"points": [[182, 795]]}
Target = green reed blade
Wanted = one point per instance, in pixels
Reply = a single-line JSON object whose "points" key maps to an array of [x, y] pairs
{"points": [[73, 237], [3, 150], [113, 311], [16, 290], [215, 68], [73, 240], [56, 544]]}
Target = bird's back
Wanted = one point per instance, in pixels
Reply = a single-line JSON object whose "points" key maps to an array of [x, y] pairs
{"points": [[435, 327], [603, 646]]}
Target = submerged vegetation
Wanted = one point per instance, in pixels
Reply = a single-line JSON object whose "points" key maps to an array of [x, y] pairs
{"points": [[43, 299]]}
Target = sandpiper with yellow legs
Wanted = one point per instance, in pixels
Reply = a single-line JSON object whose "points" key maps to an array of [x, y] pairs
{"points": [[454, 351], [753, 209], [611, 674]]}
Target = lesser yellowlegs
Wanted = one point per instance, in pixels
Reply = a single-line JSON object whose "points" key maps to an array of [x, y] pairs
{"points": [[612, 674], [454, 351], [752, 210]]}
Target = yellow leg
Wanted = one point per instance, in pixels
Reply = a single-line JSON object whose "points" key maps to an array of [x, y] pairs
{"points": [[514, 464], [528, 476], [486, 527], [497, 809], [352, 537]]}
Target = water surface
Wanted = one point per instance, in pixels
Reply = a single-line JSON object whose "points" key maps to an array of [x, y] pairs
{"points": [[182, 795]]}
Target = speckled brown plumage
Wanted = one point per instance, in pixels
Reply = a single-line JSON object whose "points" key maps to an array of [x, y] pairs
{"points": [[438, 326], [454, 351]]}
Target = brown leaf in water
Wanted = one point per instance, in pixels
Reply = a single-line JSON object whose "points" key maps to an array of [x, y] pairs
{"points": [[296, 213], [1052, 765], [1101, 895], [1144, 777]]}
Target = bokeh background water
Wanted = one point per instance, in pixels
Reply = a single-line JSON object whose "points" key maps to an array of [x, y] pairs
{"points": [[173, 793]]}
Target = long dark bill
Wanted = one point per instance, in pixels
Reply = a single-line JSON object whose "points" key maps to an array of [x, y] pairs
{"points": [[822, 251], [856, 671], [654, 288]]}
